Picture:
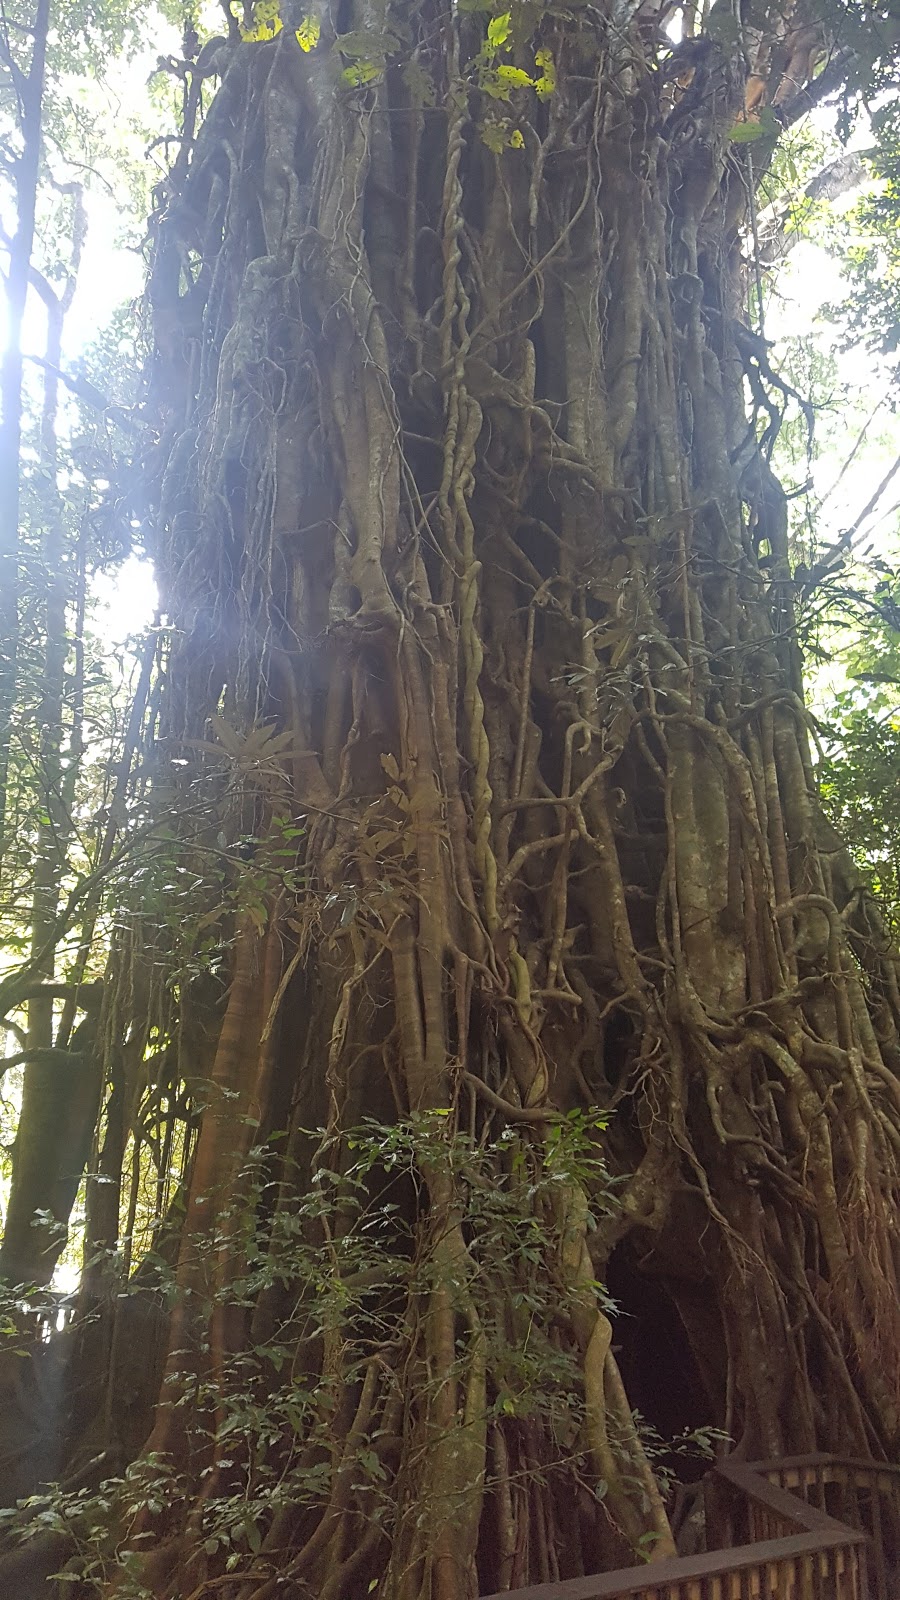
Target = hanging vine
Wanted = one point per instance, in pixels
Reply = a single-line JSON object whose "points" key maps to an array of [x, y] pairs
{"points": [[478, 692]]}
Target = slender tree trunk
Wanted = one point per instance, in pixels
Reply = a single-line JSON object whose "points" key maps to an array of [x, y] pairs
{"points": [[29, 92], [60, 1091]]}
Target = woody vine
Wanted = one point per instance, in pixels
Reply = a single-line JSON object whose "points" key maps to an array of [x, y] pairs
{"points": [[480, 685]]}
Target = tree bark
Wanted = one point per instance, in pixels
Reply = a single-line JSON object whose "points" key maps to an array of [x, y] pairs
{"points": [[29, 93], [478, 688], [61, 1087]]}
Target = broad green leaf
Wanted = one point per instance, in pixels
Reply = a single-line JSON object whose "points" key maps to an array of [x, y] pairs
{"points": [[361, 72], [493, 85], [365, 44], [499, 30], [514, 76], [493, 134], [746, 132], [766, 125]]}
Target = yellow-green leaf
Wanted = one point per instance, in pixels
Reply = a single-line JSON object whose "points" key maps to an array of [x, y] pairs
{"points": [[499, 30], [264, 30], [308, 33], [499, 134], [494, 86], [266, 22], [361, 72], [493, 134], [546, 83], [514, 76]]}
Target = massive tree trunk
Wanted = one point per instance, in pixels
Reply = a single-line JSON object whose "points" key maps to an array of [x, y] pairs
{"points": [[482, 729]]}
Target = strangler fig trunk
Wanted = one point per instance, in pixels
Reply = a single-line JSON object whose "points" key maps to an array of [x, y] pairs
{"points": [[482, 727]]}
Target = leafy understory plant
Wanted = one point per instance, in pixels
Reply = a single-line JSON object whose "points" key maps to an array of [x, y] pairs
{"points": [[352, 1261]]}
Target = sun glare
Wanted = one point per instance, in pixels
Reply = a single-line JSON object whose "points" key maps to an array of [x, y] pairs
{"points": [[125, 600]]}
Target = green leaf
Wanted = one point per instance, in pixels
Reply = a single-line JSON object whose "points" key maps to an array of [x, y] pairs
{"points": [[364, 44], [746, 132], [360, 73], [766, 126], [494, 86], [515, 77], [308, 33], [499, 29], [546, 83]]}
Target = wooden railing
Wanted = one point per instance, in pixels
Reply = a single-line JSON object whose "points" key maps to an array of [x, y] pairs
{"points": [[811, 1528], [863, 1494]]}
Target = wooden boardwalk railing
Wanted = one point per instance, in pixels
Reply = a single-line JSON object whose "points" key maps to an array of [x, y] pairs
{"points": [[813, 1528], [863, 1494]]}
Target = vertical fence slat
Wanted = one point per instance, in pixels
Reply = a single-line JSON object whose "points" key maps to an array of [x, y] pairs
{"points": [[814, 1520]]}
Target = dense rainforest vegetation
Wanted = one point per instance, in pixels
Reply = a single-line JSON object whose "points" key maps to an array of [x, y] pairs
{"points": [[451, 1007]]}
